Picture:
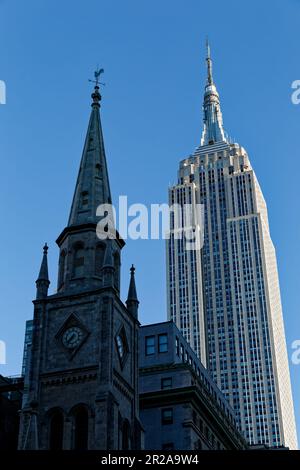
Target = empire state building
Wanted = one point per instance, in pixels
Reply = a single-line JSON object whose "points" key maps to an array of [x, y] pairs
{"points": [[225, 297]]}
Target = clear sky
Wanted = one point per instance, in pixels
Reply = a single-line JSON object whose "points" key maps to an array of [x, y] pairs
{"points": [[153, 55]]}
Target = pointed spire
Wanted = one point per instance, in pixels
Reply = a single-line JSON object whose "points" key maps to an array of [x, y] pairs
{"points": [[42, 282], [132, 302], [92, 187], [213, 130], [209, 63]]}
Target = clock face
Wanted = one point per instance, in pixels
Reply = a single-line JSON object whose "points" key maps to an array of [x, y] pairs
{"points": [[121, 348], [72, 337]]}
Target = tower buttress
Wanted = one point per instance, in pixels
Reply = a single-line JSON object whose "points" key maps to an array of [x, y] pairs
{"points": [[42, 282], [132, 302]]}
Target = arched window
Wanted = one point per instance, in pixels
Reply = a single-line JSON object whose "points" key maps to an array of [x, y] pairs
{"points": [[78, 263], [100, 250], [62, 268], [81, 431], [117, 264], [98, 170], [126, 435], [56, 430]]}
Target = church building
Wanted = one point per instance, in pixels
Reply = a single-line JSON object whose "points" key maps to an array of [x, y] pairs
{"points": [[81, 382]]}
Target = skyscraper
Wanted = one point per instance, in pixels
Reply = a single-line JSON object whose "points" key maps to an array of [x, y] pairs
{"points": [[225, 297]]}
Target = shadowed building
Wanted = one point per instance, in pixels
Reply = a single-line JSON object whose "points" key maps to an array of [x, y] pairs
{"points": [[181, 407], [10, 404], [81, 386]]}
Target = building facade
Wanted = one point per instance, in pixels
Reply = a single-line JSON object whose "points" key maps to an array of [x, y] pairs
{"points": [[27, 344], [227, 295], [10, 403], [181, 406], [81, 382]]}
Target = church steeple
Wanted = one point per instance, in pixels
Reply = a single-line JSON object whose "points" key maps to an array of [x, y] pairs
{"points": [[83, 334], [213, 130], [92, 186], [81, 249]]}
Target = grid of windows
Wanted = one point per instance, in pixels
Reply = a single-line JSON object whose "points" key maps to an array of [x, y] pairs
{"points": [[238, 328]]}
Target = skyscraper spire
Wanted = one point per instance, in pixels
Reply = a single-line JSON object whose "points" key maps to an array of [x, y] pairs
{"points": [[92, 187], [209, 63], [213, 130]]}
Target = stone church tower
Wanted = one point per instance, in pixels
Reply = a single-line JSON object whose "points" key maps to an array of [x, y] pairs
{"points": [[82, 376]]}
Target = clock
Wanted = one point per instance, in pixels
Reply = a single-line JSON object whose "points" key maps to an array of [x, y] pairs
{"points": [[72, 337], [121, 346]]}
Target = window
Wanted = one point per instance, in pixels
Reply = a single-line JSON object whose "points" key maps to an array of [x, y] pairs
{"points": [[84, 199], [126, 435], [182, 353], [150, 345], [56, 431], [166, 383], [177, 346], [81, 421], [163, 343], [167, 416], [100, 249], [78, 269]]}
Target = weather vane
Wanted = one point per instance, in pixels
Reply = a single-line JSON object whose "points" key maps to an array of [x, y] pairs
{"points": [[97, 74]]}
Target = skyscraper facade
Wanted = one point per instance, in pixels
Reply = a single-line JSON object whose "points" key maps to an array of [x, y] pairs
{"points": [[225, 297]]}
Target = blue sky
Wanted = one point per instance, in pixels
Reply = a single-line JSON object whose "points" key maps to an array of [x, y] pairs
{"points": [[153, 56]]}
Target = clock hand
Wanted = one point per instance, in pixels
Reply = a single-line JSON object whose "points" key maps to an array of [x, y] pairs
{"points": [[71, 337]]}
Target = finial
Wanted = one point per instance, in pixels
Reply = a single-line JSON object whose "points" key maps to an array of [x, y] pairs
{"points": [[45, 249], [132, 270], [209, 63], [96, 96]]}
